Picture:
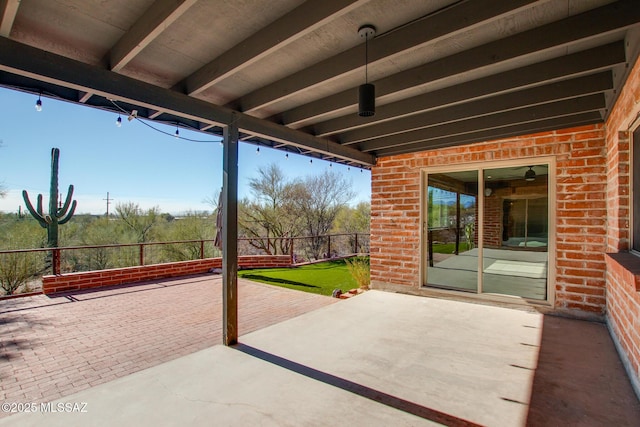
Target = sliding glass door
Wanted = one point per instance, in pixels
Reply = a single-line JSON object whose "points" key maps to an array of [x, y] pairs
{"points": [[500, 231], [452, 206], [516, 231]]}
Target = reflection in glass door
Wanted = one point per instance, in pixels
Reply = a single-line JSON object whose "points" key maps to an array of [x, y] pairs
{"points": [[516, 231], [451, 230], [507, 241]]}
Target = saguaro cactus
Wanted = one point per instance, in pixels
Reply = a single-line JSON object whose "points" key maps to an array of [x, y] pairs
{"points": [[57, 215]]}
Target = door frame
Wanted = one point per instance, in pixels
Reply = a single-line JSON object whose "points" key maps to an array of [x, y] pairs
{"points": [[550, 161]]}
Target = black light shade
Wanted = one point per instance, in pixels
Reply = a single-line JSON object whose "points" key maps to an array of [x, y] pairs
{"points": [[530, 175], [366, 100]]}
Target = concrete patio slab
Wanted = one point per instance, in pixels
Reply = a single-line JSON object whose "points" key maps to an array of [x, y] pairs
{"points": [[376, 359], [53, 346]]}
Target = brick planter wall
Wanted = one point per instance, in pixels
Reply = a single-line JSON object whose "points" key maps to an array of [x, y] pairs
{"points": [[117, 276], [581, 212]]}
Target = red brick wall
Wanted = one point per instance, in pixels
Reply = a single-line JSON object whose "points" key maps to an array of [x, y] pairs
{"points": [[493, 221], [581, 211], [623, 269], [625, 111], [117, 276], [395, 222], [592, 214], [623, 305]]}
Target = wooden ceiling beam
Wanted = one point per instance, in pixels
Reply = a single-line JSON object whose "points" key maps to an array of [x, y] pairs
{"points": [[8, 12], [587, 61], [33, 63], [578, 87], [566, 107], [564, 33], [546, 125], [296, 24], [450, 20], [151, 24]]}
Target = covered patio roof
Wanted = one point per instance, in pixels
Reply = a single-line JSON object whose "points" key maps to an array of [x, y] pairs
{"points": [[446, 72], [286, 74]]}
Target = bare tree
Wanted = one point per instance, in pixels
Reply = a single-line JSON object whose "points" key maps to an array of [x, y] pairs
{"points": [[212, 201], [281, 208], [270, 218], [318, 199], [139, 222]]}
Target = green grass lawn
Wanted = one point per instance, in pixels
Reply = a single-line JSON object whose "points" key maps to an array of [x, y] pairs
{"points": [[321, 278], [449, 248]]}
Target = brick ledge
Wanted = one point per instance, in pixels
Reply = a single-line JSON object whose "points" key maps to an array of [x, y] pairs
{"points": [[116, 276], [630, 263]]}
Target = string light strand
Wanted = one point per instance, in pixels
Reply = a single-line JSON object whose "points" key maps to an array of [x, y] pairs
{"points": [[175, 135]]}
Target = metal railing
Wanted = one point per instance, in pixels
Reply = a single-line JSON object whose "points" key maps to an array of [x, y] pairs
{"points": [[21, 267], [307, 248]]}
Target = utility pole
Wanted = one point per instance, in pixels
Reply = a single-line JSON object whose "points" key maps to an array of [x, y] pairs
{"points": [[108, 203]]}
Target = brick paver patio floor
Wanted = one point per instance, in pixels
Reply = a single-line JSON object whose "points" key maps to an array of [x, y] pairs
{"points": [[51, 347]]}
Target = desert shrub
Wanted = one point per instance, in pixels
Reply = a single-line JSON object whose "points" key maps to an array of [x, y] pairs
{"points": [[359, 269]]}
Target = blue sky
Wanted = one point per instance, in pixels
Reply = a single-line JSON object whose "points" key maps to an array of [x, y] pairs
{"points": [[133, 162]]}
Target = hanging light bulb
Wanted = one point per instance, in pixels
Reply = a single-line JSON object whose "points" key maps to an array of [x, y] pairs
{"points": [[286, 156], [311, 161], [258, 151], [366, 91], [530, 175], [119, 121], [177, 134], [348, 168], [39, 104]]}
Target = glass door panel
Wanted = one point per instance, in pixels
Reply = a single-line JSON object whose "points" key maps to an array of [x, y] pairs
{"points": [[451, 227], [516, 231]]}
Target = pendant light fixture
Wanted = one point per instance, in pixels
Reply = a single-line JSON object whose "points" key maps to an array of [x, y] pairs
{"points": [[530, 175], [366, 91]]}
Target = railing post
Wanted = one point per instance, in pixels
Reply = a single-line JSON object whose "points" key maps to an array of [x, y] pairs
{"points": [[55, 260], [141, 254], [329, 246], [355, 249], [291, 250], [201, 249]]}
